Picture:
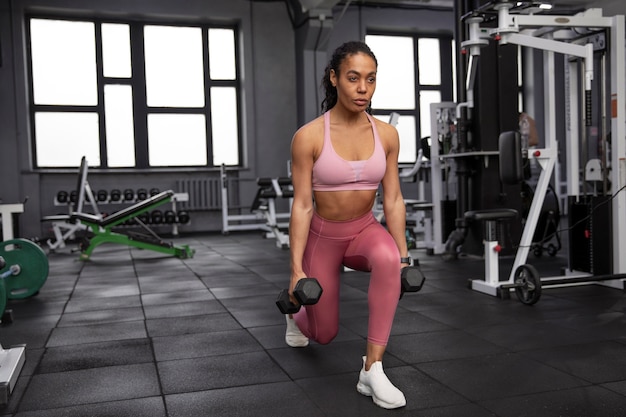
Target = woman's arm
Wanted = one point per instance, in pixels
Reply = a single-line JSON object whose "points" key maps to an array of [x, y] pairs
{"points": [[302, 157], [393, 202]]}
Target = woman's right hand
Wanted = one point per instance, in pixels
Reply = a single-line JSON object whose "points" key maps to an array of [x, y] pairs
{"points": [[294, 280]]}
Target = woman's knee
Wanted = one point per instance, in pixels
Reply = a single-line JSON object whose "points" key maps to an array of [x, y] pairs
{"points": [[327, 336]]}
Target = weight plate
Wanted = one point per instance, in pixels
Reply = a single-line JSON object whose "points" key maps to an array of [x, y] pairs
{"points": [[3, 298], [33, 264], [527, 284]]}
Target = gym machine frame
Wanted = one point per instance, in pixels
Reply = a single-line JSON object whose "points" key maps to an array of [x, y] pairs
{"points": [[509, 31], [264, 217]]}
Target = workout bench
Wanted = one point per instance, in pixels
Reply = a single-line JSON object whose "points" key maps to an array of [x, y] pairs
{"points": [[103, 229]]}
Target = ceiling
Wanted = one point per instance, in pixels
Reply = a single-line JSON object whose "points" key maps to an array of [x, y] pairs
{"points": [[563, 6]]}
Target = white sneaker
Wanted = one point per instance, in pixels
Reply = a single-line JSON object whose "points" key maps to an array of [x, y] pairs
{"points": [[374, 383], [293, 335]]}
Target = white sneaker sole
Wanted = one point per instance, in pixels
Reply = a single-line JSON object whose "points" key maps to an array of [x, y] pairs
{"points": [[297, 343], [365, 390]]}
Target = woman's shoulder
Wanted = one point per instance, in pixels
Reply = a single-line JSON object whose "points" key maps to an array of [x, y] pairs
{"points": [[312, 129], [385, 129]]}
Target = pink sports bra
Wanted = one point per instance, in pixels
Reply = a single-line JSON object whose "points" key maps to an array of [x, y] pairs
{"points": [[333, 173]]}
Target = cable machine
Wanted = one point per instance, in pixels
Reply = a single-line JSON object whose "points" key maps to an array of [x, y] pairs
{"points": [[555, 34]]}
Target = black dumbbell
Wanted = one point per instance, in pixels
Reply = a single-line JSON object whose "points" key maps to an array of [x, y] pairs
{"points": [[307, 292], [102, 195], [156, 217], [63, 197], [412, 279], [142, 194], [154, 191], [169, 217], [116, 195], [129, 194], [183, 217]]}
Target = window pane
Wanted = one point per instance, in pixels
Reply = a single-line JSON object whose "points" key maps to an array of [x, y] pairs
{"points": [[174, 66], [64, 62], [224, 123], [429, 61], [406, 131], [116, 50], [396, 63], [62, 139], [408, 139], [222, 54], [118, 110], [427, 97], [177, 139]]}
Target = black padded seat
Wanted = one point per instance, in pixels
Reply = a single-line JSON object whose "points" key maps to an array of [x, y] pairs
{"points": [[491, 214]]}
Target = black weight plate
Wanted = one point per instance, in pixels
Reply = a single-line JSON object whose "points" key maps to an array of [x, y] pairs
{"points": [[527, 284]]}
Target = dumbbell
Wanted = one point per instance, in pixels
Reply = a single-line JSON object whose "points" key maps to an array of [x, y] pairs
{"points": [[116, 195], [63, 197], [183, 217], [154, 191], [156, 217], [169, 217], [129, 194], [412, 279], [142, 194], [102, 195], [307, 292]]}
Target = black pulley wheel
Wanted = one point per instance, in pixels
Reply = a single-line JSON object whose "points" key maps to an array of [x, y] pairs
{"points": [[527, 284]]}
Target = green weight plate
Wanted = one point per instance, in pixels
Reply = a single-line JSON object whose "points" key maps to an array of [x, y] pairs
{"points": [[33, 264]]}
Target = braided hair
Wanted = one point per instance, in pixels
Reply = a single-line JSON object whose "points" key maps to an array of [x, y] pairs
{"points": [[340, 54]]}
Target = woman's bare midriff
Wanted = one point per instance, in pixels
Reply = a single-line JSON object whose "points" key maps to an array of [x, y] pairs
{"points": [[344, 205]]}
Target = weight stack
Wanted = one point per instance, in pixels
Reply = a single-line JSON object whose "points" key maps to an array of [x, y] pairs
{"points": [[590, 236]]}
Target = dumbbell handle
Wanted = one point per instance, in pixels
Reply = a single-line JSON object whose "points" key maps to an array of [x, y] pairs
{"points": [[13, 270]]}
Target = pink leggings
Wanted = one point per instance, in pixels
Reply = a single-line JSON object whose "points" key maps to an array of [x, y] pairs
{"points": [[362, 244]]}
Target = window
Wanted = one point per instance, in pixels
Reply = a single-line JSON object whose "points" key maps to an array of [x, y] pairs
{"points": [[413, 72], [133, 95]]}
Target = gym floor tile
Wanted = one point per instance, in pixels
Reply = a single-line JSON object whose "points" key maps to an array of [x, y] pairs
{"points": [[579, 402], [176, 297], [198, 374], [141, 407], [93, 304], [244, 292], [191, 324], [438, 346], [95, 355], [106, 289], [86, 386], [504, 375], [194, 308], [199, 345], [173, 284], [86, 318], [283, 399], [65, 336], [525, 336], [595, 362]]}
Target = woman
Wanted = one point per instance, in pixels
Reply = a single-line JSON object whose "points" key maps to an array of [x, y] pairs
{"points": [[338, 161]]}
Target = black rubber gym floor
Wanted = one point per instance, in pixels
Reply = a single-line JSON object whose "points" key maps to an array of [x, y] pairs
{"points": [[135, 333]]}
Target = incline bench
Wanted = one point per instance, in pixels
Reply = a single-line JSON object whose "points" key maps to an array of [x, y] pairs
{"points": [[103, 229]]}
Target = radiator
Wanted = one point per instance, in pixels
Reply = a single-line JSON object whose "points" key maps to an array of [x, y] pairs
{"points": [[204, 193]]}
